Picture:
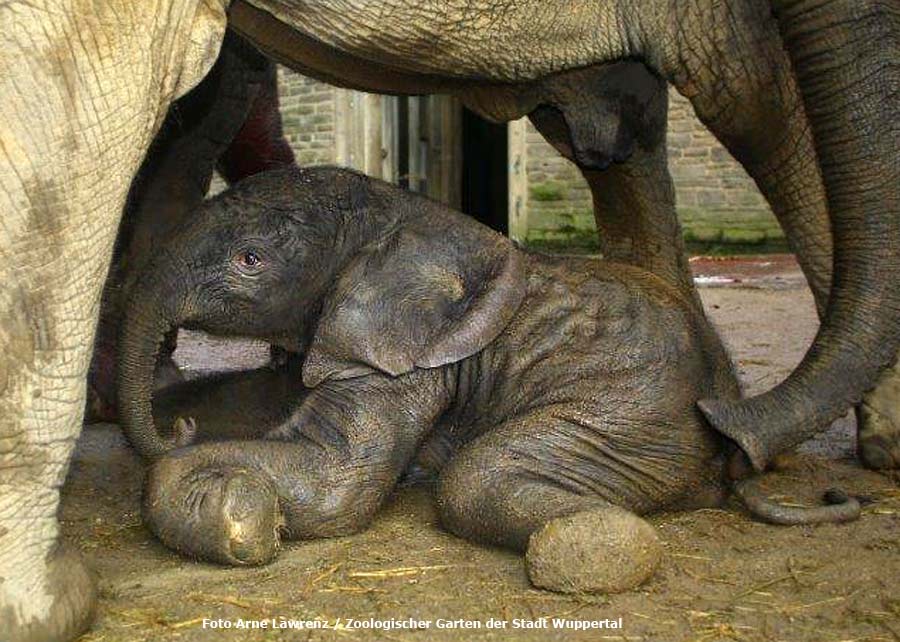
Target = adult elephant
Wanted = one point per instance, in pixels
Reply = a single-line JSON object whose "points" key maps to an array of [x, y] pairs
{"points": [[86, 87]]}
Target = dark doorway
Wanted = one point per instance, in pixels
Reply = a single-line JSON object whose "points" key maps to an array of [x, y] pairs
{"points": [[485, 187], [403, 141]]}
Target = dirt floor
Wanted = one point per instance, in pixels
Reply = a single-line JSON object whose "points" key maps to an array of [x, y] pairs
{"points": [[724, 577]]}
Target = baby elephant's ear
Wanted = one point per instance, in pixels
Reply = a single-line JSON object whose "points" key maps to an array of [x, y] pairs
{"points": [[437, 290]]}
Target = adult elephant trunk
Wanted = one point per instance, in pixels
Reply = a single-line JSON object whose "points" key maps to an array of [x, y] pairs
{"points": [[156, 306], [845, 55]]}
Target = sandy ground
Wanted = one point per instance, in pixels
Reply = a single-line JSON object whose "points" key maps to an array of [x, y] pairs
{"points": [[724, 577]]}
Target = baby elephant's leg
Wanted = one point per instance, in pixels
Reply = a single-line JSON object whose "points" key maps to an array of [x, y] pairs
{"points": [[538, 486], [232, 502], [323, 472]]}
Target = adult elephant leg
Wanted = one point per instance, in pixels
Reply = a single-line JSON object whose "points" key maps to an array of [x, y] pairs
{"points": [[785, 167], [854, 111], [790, 180], [878, 422], [756, 112], [845, 57], [634, 206], [610, 121], [735, 77], [82, 97], [740, 84]]}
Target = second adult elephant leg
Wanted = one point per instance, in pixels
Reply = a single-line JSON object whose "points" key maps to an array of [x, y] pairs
{"points": [[765, 128], [730, 60], [615, 133], [634, 206], [795, 193]]}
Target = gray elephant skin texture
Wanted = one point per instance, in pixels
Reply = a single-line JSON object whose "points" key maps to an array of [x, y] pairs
{"points": [[802, 92], [568, 385], [230, 122]]}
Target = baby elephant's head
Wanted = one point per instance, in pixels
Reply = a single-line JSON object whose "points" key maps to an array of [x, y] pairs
{"points": [[256, 260], [357, 274]]}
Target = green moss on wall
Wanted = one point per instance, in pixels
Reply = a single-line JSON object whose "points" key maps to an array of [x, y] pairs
{"points": [[544, 192]]}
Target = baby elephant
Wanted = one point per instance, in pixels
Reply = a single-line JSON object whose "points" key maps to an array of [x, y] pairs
{"points": [[568, 384]]}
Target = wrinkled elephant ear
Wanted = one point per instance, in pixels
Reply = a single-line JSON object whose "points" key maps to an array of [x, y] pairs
{"points": [[435, 290]]}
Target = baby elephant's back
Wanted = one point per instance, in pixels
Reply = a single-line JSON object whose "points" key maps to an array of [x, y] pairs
{"points": [[591, 330]]}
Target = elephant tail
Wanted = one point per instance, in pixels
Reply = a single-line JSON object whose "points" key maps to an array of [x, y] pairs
{"points": [[839, 506]]}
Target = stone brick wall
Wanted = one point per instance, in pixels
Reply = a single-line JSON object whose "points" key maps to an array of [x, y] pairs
{"points": [[307, 110], [716, 199]]}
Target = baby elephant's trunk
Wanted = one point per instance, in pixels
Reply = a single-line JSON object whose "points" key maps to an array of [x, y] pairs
{"points": [[154, 309]]}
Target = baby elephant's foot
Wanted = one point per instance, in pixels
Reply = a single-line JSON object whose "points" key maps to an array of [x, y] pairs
{"points": [[878, 417], [606, 550], [225, 515]]}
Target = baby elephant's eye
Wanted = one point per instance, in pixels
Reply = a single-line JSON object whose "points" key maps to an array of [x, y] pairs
{"points": [[248, 262]]}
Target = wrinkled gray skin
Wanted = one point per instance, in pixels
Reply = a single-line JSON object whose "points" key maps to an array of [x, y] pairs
{"points": [[731, 61], [569, 385], [80, 113], [230, 122]]}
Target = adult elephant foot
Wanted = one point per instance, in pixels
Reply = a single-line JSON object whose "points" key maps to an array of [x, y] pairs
{"points": [[64, 584], [878, 421], [596, 551]]}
